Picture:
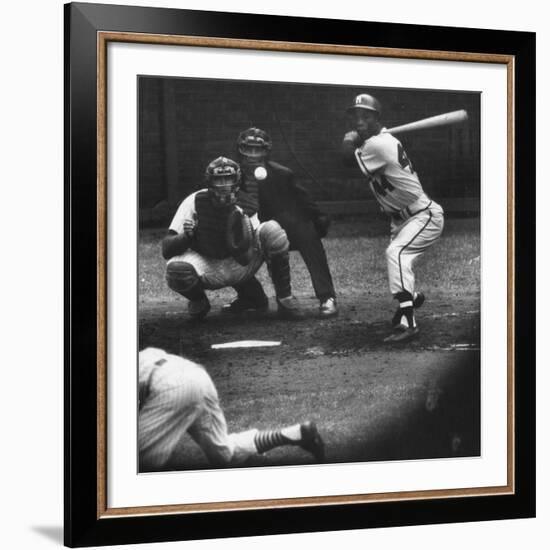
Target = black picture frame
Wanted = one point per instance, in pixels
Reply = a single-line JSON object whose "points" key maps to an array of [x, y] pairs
{"points": [[85, 522]]}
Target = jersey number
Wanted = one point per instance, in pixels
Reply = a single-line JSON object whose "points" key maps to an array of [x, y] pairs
{"points": [[383, 186], [403, 158]]}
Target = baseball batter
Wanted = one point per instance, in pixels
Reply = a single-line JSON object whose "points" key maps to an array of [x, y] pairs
{"points": [[178, 396], [416, 220], [199, 256]]}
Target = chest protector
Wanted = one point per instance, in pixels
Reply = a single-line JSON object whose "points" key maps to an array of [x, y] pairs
{"points": [[211, 226]]}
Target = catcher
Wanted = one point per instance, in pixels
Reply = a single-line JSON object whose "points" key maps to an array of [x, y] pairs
{"points": [[216, 241]]}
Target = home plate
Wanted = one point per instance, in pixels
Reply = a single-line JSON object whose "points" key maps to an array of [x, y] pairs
{"points": [[246, 344]]}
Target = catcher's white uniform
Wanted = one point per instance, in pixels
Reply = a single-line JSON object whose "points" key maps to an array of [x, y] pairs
{"points": [[416, 220], [178, 396], [210, 247], [215, 273]]}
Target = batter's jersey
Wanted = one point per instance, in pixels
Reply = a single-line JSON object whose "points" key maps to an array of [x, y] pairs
{"points": [[389, 171], [187, 211]]}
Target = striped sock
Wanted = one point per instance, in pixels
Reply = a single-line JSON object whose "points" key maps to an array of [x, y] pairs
{"points": [[266, 440], [406, 307], [407, 315]]}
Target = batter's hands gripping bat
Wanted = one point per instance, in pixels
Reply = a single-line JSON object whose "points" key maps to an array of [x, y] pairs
{"points": [[445, 119]]}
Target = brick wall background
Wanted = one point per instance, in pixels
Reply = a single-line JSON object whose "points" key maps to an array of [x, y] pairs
{"points": [[185, 123]]}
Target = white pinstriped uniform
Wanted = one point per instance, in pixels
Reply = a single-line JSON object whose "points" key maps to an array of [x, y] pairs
{"points": [[417, 221], [216, 273], [178, 396]]}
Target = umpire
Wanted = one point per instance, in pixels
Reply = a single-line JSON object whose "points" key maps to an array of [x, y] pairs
{"points": [[271, 188]]}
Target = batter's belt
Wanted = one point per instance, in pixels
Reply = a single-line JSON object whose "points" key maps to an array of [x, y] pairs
{"points": [[419, 205]]}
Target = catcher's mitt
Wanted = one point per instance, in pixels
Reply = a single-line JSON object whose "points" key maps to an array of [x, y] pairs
{"points": [[239, 236]]}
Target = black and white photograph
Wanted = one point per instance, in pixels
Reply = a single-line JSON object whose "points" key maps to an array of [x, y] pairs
{"points": [[297, 275], [309, 261]]}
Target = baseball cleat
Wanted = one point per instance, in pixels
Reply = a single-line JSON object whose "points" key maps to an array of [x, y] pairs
{"points": [[402, 334], [240, 305], [328, 308], [198, 309], [289, 308], [312, 441]]}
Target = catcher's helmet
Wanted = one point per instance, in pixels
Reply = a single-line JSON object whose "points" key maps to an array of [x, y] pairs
{"points": [[366, 101], [223, 178], [253, 143]]}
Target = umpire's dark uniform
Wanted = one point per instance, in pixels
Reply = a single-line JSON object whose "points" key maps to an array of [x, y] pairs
{"points": [[282, 199]]}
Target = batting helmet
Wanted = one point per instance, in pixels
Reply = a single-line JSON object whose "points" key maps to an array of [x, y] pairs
{"points": [[223, 178], [368, 102], [253, 143]]}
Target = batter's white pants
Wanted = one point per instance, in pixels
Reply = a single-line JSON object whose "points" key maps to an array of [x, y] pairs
{"points": [[409, 240], [180, 398]]}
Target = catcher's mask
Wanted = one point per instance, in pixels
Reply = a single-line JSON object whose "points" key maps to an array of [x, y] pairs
{"points": [[223, 178], [254, 145]]}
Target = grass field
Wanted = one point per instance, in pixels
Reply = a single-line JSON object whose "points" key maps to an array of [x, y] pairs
{"points": [[355, 249], [370, 402]]}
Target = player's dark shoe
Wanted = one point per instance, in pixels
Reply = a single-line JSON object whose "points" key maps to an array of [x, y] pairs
{"points": [[402, 334], [240, 305], [417, 302], [198, 309], [288, 308], [312, 441], [328, 308]]}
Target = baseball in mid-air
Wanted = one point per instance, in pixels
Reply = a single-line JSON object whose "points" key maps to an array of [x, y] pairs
{"points": [[260, 173]]}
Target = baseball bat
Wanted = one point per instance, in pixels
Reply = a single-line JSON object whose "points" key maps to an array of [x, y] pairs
{"points": [[454, 117]]}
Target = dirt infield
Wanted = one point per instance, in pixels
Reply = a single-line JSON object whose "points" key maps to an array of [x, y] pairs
{"points": [[371, 401]]}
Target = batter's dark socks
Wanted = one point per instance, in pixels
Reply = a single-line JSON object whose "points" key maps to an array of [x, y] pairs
{"points": [[406, 308], [408, 313]]}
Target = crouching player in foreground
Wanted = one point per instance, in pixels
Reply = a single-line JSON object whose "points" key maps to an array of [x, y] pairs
{"points": [[205, 252], [178, 396]]}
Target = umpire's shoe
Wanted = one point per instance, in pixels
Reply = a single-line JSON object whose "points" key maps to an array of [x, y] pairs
{"points": [[328, 308], [241, 305], [417, 302], [289, 308], [312, 441], [198, 309]]}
